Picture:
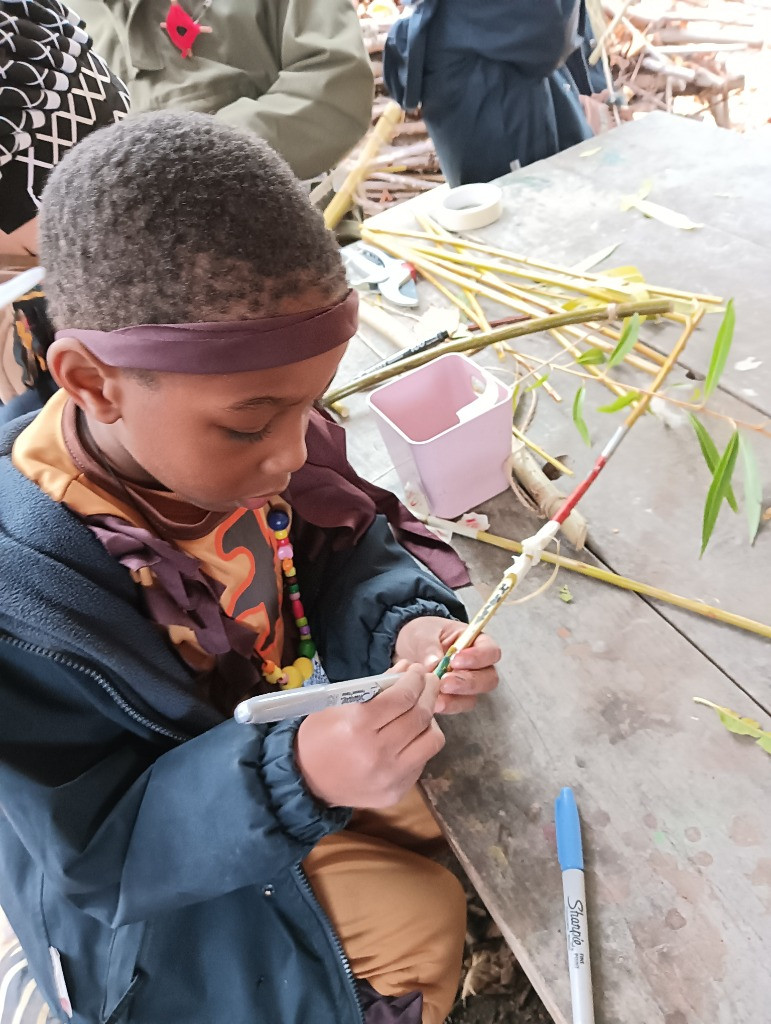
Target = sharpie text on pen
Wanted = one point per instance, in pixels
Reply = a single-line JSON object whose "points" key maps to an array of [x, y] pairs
{"points": [[576, 921]]}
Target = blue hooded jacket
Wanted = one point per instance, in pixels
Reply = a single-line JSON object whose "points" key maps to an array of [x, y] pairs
{"points": [[153, 844], [490, 80]]}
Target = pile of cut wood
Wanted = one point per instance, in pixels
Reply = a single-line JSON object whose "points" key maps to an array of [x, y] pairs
{"points": [[409, 165], [662, 52], [688, 57]]}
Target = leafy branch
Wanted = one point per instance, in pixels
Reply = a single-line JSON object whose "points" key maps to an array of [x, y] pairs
{"points": [[721, 466], [739, 725]]}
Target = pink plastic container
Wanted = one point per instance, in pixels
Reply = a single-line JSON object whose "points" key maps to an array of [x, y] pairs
{"points": [[447, 428]]}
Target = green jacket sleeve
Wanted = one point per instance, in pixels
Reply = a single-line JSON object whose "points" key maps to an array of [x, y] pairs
{"points": [[320, 104]]}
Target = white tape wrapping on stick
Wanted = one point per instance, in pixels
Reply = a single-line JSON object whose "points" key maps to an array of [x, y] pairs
{"points": [[469, 207]]}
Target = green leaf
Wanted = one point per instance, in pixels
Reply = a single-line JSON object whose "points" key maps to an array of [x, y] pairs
{"points": [[711, 455], [721, 348], [537, 383], [718, 489], [626, 342], [565, 594], [621, 402], [592, 357], [578, 416], [753, 489], [735, 723]]}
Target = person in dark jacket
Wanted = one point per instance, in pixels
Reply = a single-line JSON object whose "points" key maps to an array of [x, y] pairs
{"points": [[159, 861], [490, 79]]}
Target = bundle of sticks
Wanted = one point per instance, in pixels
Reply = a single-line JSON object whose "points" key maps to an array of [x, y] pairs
{"points": [[408, 165], [664, 52]]}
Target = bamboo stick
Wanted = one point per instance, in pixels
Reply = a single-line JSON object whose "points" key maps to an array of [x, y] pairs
{"points": [[604, 575], [540, 452], [436, 257], [476, 342], [550, 391], [380, 134], [504, 294], [597, 280]]}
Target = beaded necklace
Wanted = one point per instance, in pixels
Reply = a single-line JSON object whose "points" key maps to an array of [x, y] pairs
{"points": [[302, 669]]}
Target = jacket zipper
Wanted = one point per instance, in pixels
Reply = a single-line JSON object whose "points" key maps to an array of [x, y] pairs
{"points": [[110, 690], [97, 677], [306, 886]]}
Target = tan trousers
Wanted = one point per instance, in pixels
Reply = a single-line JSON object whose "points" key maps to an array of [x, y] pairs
{"points": [[400, 916]]}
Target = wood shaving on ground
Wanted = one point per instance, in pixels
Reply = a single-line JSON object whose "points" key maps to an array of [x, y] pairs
{"points": [[494, 988]]}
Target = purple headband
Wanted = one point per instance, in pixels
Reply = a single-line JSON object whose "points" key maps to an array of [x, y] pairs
{"points": [[227, 347]]}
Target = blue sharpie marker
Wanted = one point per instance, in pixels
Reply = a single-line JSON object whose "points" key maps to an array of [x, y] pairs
{"points": [[571, 858]]}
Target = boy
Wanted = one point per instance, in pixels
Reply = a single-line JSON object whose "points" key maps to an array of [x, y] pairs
{"points": [[160, 862]]}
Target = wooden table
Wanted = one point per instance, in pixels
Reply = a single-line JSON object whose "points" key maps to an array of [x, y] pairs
{"points": [[597, 693]]}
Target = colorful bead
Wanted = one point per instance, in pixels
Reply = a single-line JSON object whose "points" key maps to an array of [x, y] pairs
{"points": [[272, 673], [277, 519], [293, 678], [305, 667], [290, 676]]}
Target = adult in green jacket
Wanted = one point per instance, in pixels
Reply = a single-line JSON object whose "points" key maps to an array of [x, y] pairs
{"points": [[295, 72]]}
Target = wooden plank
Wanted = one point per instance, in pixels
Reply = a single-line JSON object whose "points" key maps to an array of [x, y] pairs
{"points": [[596, 694]]}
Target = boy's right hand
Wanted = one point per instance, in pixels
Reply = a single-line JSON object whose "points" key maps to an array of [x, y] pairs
{"points": [[369, 755]]}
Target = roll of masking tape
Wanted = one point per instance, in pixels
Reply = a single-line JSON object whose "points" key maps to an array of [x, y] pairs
{"points": [[468, 207]]}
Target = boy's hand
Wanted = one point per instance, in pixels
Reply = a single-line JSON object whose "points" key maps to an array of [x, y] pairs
{"points": [[472, 672], [370, 755]]}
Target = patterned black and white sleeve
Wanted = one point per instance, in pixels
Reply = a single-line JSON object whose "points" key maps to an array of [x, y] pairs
{"points": [[54, 90]]}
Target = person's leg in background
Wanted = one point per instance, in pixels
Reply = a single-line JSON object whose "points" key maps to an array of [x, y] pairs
{"points": [[400, 916]]}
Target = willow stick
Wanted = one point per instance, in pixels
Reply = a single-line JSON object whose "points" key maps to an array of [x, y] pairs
{"points": [[550, 391], [604, 575], [479, 317], [501, 293], [540, 452], [588, 288], [527, 302], [677, 349], [479, 247], [598, 280], [476, 342], [454, 299], [380, 134]]}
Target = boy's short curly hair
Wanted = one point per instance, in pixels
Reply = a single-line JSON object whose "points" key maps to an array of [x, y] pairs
{"points": [[174, 217]]}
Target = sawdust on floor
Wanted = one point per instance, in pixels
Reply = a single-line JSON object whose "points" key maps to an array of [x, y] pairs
{"points": [[494, 988]]}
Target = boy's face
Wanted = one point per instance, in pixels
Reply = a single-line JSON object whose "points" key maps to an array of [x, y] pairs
{"points": [[220, 442]]}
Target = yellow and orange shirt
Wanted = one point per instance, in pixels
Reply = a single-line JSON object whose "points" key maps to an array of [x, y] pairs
{"points": [[237, 551]]}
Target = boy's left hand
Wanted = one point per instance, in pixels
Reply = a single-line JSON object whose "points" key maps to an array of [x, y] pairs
{"points": [[424, 640]]}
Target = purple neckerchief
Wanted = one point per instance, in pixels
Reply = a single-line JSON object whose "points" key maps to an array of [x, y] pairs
{"points": [[379, 1009], [328, 492], [181, 594]]}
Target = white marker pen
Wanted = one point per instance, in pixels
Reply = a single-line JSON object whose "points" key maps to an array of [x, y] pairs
{"points": [[304, 700]]}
